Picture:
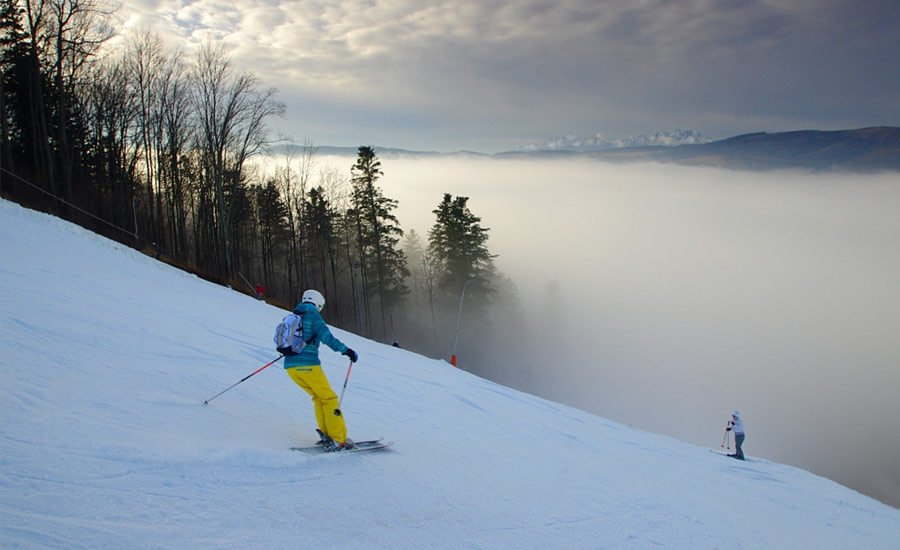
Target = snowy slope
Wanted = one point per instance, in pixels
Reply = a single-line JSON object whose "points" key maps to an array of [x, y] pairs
{"points": [[105, 442]]}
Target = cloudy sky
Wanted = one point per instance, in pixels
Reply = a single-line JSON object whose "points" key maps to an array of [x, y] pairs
{"points": [[491, 75]]}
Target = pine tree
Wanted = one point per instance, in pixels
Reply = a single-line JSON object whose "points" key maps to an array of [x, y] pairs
{"points": [[273, 229], [14, 74], [459, 243], [382, 263], [321, 243]]}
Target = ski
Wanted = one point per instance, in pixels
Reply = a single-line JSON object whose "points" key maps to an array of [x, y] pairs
{"points": [[723, 453], [358, 446]]}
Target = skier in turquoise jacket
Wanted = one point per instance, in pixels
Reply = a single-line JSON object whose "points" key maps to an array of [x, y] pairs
{"points": [[305, 369]]}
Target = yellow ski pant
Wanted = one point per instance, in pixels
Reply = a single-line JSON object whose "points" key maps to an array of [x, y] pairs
{"points": [[325, 402]]}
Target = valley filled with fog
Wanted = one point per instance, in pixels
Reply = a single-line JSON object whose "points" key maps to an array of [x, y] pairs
{"points": [[664, 297]]}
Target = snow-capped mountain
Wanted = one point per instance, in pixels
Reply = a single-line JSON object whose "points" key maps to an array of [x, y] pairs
{"points": [[599, 142]]}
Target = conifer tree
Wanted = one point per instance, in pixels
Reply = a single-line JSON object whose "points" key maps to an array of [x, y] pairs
{"points": [[321, 254], [14, 75], [458, 243], [383, 264], [272, 214]]}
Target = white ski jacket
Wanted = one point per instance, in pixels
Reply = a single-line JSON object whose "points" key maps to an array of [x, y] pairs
{"points": [[736, 423]]}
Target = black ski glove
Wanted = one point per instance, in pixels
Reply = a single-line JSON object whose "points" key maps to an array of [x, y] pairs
{"points": [[352, 355]]}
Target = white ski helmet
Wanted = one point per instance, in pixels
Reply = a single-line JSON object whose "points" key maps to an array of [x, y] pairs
{"points": [[314, 297]]}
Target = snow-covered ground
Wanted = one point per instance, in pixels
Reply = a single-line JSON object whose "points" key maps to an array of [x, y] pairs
{"points": [[108, 355]]}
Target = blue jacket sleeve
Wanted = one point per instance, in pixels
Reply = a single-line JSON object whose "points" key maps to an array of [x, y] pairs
{"points": [[323, 334]]}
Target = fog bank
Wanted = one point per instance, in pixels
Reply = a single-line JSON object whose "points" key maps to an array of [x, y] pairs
{"points": [[664, 297]]}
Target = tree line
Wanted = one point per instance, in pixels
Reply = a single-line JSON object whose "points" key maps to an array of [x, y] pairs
{"points": [[152, 147]]}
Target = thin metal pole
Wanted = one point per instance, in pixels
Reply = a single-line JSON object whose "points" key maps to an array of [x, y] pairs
{"points": [[243, 379], [252, 288], [346, 379], [462, 297]]}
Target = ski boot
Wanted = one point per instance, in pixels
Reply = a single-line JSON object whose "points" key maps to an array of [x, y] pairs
{"points": [[326, 442]]}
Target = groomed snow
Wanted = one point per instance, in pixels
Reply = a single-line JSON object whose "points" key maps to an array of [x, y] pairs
{"points": [[108, 355]]}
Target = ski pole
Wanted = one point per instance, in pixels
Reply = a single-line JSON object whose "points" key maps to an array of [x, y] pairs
{"points": [[346, 379], [243, 379]]}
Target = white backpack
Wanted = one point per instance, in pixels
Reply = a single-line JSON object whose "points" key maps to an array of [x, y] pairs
{"points": [[289, 335]]}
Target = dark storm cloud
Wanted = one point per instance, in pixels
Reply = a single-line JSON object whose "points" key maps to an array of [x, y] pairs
{"points": [[474, 73]]}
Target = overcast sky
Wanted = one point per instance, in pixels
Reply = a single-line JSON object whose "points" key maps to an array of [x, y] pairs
{"points": [[492, 75]]}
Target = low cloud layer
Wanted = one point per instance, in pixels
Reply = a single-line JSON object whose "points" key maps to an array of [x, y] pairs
{"points": [[664, 297], [492, 75]]}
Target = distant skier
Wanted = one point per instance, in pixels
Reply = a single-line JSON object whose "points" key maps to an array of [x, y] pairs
{"points": [[736, 424], [305, 369]]}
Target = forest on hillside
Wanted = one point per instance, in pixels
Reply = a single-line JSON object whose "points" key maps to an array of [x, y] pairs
{"points": [[152, 147]]}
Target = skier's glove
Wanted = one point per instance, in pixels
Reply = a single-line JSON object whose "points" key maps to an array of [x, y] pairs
{"points": [[352, 355]]}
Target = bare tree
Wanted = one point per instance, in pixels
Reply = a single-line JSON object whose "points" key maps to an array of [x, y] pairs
{"points": [[76, 30], [110, 155], [423, 275], [174, 133], [293, 183], [232, 111], [146, 60], [37, 90], [335, 189]]}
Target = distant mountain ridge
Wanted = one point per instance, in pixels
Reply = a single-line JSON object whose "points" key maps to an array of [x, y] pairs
{"points": [[599, 142], [382, 152], [863, 149], [857, 150]]}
